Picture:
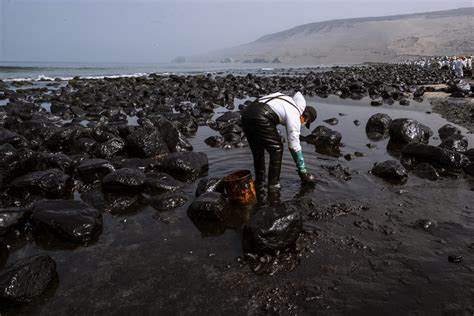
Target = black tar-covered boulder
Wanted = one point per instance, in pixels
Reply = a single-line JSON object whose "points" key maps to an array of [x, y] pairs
{"points": [[24, 162], [142, 164], [324, 136], [406, 131], [4, 253], [441, 156], [146, 142], [229, 117], [59, 161], [60, 140], [95, 169], [390, 170], [168, 201], [272, 228], [109, 148], [7, 136], [186, 166], [210, 185], [426, 171], [470, 154], [52, 183], [73, 220], [114, 203], [12, 217], [184, 122], [158, 182], [7, 154], [231, 129], [378, 123], [455, 142], [210, 206], [459, 88], [469, 169], [214, 141], [124, 180], [173, 137], [27, 278], [448, 130]]}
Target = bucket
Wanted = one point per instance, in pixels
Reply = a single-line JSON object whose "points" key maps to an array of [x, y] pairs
{"points": [[240, 187]]}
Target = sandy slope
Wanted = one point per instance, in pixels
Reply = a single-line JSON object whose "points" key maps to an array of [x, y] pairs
{"points": [[360, 40]]}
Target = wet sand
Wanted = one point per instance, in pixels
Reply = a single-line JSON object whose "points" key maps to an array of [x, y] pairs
{"points": [[367, 247]]}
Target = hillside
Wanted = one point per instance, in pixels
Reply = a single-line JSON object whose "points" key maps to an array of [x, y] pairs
{"points": [[373, 39]]}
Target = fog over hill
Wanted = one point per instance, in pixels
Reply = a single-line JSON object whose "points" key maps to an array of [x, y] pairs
{"points": [[371, 39]]}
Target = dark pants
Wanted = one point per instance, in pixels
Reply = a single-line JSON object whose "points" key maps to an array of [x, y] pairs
{"points": [[259, 122]]}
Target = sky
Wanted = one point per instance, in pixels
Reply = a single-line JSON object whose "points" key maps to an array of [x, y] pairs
{"points": [[152, 31]]}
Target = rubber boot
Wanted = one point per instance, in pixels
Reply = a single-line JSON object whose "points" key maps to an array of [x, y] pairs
{"points": [[274, 169]]}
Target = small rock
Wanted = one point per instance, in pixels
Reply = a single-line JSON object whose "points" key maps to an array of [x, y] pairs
{"points": [[168, 201], [210, 185], [391, 170], [378, 123], [157, 182], [376, 103], [52, 183], [209, 206], [214, 141], [426, 224], [455, 142], [12, 217], [27, 278], [74, 220], [455, 259], [426, 171], [186, 166], [404, 102], [124, 179], [332, 121], [4, 253], [94, 169], [146, 142], [448, 130], [406, 131], [110, 148]]}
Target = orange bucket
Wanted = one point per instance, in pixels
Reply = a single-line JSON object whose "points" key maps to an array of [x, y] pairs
{"points": [[240, 187]]}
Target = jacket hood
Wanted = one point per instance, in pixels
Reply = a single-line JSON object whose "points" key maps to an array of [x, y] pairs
{"points": [[299, 101]]}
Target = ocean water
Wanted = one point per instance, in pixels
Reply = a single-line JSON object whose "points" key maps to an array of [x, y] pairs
{"points": [[51, 71]]}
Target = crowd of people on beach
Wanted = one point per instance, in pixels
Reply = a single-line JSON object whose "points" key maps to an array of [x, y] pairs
{"points": [[460, 65]]}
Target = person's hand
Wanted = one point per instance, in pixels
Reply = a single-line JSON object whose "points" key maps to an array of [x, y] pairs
{"points": [[307, 178]]}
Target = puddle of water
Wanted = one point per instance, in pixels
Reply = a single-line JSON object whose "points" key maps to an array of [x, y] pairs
{"points": [[132, 120], [84, 123], [222, 162], [46, 106]]}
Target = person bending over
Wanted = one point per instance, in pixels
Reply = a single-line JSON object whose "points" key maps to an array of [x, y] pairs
{"points": [[259, 122]]}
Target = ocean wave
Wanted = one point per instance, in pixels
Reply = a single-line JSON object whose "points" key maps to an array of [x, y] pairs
{"points": [[95, 77]]}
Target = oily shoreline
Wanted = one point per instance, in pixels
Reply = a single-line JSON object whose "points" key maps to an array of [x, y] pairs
{"points": [[458, 111], [85, 145]]}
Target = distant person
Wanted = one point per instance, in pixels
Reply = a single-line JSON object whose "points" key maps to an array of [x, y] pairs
{"points": [[469, 64], [458, 67], [260, 120]]}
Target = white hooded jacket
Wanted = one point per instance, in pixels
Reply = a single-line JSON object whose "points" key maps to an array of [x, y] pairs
{"points": [[289, 111]]}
